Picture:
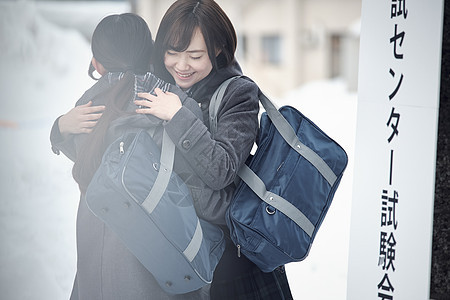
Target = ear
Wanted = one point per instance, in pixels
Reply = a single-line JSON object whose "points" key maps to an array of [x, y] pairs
{"points": [[218, 51], [98, 67]]}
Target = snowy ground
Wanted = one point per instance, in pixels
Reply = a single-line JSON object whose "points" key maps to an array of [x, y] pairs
{"points": [[42, 73]]}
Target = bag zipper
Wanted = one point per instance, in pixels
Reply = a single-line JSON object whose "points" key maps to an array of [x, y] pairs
{"points": [[121, 144]]}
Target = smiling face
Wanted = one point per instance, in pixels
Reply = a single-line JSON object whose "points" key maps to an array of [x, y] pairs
{"points": [[190, 66]]}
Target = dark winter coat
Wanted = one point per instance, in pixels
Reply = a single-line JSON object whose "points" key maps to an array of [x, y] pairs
{"points": [[217, 160], [106, 269]]}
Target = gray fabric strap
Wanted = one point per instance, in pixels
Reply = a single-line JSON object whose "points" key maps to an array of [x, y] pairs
{"points": [[160, 186], [194, 245], [165, 170], [281, 204], [283, 127], [214, 104], [289, 135]]}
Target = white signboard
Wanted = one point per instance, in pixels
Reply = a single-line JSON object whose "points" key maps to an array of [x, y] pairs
{"points": [[395, 151]]}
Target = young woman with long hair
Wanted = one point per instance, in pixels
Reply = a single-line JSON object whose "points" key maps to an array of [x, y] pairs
{"points": [[195, 49]]}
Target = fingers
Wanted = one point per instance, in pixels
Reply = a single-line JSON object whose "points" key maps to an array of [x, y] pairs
{"points": [[86, 130], [80, 119], [86, 112], [95, 109], [147, 96], [158, 92], [163, 105], [144, 103], [143, 111], [88, 126], [91, 109], [91, 117], [88, 108], [86, 105]]}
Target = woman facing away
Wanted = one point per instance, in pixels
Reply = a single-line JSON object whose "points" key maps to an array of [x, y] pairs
{"points": [[195, 49], [122, 47]]}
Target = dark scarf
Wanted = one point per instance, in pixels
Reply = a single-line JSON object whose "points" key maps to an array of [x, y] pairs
{"points": [[203, 90]]}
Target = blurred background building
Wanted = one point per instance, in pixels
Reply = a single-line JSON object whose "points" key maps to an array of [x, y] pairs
{"points": [[283, 44]]}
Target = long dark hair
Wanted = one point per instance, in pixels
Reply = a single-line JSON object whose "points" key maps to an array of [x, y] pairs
{"points": [[178, 25], [121, 43], [91, 151]]}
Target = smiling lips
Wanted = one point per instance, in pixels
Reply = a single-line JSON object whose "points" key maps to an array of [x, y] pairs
{"points": [[186, 75]]}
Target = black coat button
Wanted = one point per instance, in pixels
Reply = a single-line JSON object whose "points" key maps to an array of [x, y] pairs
{"points": [[186, 144]]}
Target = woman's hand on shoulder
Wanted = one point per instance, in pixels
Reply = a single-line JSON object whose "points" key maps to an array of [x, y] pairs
{"points": [[163, 105], [80, 119]]}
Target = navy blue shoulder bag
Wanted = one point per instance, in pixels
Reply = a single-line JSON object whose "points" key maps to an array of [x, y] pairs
{"points": [[286, 187]]}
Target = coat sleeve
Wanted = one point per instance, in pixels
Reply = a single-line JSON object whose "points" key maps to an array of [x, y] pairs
{"points": [[62, 144], [187, 102], [217, 160], [68, 144]]}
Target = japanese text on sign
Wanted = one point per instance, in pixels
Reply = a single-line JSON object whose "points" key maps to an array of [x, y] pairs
{"points": [[390, 195]]}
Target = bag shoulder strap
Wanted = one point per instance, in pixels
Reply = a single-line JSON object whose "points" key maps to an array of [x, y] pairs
{"points": [[290, 136], [215, 102], [160, 186], [281, 124], [164, 173]]}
